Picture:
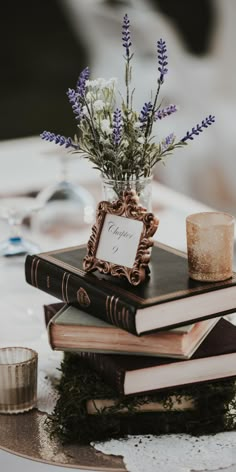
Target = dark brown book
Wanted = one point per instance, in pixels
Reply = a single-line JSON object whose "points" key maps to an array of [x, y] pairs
{"points": [[72, 329], [168, 298], [215, 359]]}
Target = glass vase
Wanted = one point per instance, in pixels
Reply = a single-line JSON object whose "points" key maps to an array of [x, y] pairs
{"points": [[112, 189]]}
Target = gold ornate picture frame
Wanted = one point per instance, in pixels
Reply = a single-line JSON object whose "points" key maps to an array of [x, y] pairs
{"points": [[121, 239]]}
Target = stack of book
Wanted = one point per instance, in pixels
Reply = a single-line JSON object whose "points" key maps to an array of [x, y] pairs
{"points": [[138, 352]]}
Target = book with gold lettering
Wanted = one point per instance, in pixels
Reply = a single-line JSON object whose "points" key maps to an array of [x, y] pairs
{"points": [[167, 299]]}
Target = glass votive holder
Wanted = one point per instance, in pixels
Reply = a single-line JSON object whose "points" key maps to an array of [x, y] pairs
{"points": [[18, 379], [210, 246]]}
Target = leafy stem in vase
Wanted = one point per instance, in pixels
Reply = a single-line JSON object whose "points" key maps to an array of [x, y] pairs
{"points": [[115, 137]]}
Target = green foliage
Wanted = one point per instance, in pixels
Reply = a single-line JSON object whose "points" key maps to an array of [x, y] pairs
{"points": [[135, 155], [214, 408], [122, 149]]}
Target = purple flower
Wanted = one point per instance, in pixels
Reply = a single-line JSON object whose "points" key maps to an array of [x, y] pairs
{"points": [[76, 106], [199, 128], [162, 59], [58, 139], [167, 142], [117, 127], [145, 112], [81, 82], [126, 35], [165, 112]]}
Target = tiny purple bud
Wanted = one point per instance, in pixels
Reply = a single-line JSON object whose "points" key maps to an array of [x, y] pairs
{"points": [[198, 128], [162, 59], [81, 82], [165, 112], [76, 106], [167, 142], [126, 39], [145, 112], [117, 127], [58, 139]]}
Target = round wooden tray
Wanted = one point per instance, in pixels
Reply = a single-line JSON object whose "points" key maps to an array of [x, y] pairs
{"points": [[25, 435]]}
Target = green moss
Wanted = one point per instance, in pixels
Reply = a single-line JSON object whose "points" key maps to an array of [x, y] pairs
{"points": [[214, 408]]}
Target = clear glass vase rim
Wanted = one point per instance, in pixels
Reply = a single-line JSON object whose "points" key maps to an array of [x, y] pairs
{"points": [[33, 354], [141, 179]]}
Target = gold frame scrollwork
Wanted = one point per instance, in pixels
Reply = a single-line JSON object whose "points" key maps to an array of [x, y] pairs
{"points": [[126, 206]]}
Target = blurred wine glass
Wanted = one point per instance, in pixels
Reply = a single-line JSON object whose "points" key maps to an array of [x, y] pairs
{"points": [[64, 204], [14, 210]]}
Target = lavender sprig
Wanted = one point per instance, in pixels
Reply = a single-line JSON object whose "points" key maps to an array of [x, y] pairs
{"points": [[167, 142], [199, 128], [58, 139], [145, 112], [162, 59], [81, 82], [126, 38], [126, 41], [117, 127], [76, 106], [165, 112]]}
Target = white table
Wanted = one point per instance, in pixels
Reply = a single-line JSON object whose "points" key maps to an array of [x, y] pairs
{"points": [[24, 167]]}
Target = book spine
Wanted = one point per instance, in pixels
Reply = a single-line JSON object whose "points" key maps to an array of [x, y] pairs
{"points": [[105, 367], [76, 290]]}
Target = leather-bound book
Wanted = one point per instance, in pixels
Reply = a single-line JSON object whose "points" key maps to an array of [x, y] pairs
{"points": [[168, 297], [71, 329], [214, 359]]}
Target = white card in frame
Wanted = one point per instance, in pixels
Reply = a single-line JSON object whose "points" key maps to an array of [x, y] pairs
{"points": [[121, 239]]}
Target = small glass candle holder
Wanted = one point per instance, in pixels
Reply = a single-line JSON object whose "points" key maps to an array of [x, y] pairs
{"points": [[18, 379], [210, 245]]}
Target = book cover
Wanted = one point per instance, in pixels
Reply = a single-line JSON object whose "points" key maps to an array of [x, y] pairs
{"points": [[168, 298], [72, 329], [50, 310], [214, 359]]}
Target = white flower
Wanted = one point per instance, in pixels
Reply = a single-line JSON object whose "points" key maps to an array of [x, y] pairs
{"points": [[125, 143], [105, 126], [85, 111], [101, 82], [138, 124], [98, 105], [141, 140], [89, 96], [112, 82], [92, 83], [103, 140]]}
